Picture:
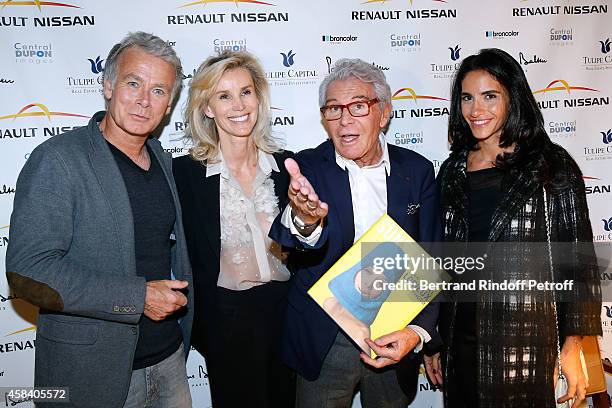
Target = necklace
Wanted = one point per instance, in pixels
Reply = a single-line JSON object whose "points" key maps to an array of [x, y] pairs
{"points": [[143, 160]]}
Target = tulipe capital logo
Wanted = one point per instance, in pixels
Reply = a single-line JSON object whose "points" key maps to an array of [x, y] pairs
{"points": [[454, 52], [607, 136], [96, 65], [607, 224], [605, 46], [288, 58]]}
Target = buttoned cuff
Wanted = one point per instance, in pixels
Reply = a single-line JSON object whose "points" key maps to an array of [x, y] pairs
{"points": [[423, 335], [310, 240]]}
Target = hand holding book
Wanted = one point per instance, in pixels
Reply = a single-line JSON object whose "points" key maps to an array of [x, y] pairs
{"points": [[391, 348], [371, 296]]}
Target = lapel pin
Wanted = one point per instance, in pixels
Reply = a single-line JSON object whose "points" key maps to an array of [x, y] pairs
{"points": [[412, 209]]}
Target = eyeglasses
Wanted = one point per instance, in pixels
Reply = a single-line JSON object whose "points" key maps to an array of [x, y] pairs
{"points": [[356, 109]]}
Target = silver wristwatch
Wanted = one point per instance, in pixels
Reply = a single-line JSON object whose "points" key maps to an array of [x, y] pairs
{"points": [[302, 227]]}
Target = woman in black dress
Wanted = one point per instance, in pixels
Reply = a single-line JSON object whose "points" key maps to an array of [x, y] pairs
{"points": [[232, 185]]}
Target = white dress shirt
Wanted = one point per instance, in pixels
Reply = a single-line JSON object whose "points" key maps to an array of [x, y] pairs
{"points": [[248, 257]]}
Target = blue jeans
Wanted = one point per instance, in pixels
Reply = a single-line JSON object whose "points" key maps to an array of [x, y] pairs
{"points": [[163, 385]]}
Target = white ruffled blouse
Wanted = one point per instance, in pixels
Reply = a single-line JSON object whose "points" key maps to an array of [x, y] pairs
{"points": [[248, 257]]}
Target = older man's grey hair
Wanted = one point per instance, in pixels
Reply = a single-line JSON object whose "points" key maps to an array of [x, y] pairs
{"points": [[151, 44], [356, 68]]}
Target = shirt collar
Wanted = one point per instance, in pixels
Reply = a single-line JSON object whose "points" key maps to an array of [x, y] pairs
{"points": [[265, 162], [343, 163]]}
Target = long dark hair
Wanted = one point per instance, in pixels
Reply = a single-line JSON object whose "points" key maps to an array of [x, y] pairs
{"points": [[524, 126]]}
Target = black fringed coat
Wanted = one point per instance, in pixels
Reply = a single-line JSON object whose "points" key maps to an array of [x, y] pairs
{"points": [[516, 345]]}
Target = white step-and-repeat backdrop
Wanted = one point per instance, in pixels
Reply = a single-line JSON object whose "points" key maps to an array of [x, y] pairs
{"points": [[52, 56]]}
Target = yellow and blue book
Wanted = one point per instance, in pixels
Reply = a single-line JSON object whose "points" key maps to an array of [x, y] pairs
{"points": [[376, 287]]}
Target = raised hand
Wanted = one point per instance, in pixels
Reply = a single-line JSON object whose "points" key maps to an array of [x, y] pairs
{"points": [[303, 199]]}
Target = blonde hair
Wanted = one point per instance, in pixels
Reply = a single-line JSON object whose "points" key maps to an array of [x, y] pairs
{"points": [[202, 130]]}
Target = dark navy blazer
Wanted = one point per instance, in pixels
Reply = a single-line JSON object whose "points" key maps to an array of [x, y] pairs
{"points": [[309, 331]]}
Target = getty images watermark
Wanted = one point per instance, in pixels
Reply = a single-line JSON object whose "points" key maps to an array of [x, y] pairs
{"points": [[480, 284], [474, 272]]}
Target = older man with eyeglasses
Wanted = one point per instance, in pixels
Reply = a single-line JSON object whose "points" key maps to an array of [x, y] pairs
{"points": [[337, 191]]}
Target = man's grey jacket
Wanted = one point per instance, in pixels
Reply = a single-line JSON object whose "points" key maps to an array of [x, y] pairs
{"points": [[71, 252]]}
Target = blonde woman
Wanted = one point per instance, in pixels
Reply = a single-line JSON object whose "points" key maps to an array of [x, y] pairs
{"points": [[232, 185]]}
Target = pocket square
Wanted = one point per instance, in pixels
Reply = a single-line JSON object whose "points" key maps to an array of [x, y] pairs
{"points": [[412, 209]]}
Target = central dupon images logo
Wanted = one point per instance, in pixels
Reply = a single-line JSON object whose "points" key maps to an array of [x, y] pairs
{"points": [[44, 111], [236, 2], [562, 86], [409, 93], [36, 3]]}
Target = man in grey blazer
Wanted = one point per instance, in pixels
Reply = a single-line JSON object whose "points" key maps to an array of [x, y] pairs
{"points": [[97, 243]]}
